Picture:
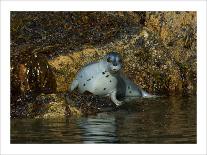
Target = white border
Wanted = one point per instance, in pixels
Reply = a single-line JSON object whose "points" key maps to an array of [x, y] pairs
{"points": [[7, 148]]}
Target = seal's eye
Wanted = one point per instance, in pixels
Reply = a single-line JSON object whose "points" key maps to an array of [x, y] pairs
{"points": [[108, 59]]}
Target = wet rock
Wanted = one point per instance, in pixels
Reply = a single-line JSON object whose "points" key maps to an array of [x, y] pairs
{"points": [[158, 50], [68, 31], [60, 106], [52, 106], [89, 104], [31, 75], [44, 106]]}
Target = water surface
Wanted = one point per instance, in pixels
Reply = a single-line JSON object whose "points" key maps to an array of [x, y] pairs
{"points": [[157, 121]]}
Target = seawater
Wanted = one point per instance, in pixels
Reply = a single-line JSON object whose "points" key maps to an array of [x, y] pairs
{"points": [[167, 120]]}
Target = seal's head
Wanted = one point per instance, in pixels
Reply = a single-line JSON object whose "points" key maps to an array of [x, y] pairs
{"points": [[114, 62]]}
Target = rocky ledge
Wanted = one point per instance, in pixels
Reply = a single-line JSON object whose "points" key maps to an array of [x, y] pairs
{"points": [[48, 49]]}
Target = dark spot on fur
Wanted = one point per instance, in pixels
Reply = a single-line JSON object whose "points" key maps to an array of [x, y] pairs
{"points": [[130, 92], [84, 84], [128, 87], [104, 88], [88, 79], [110, 80], [103, 72], [107, 75]]}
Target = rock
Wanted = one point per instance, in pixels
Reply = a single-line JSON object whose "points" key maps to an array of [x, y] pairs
{"points": [[31, 75], [64, 31], [45, 106], [158, 50], [89, 104], [60, 106]]}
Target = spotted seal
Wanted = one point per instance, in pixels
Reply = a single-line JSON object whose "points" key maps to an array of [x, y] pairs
{"points": [[104, 78]]}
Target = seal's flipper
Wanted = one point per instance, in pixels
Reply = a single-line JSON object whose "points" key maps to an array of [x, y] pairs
{"points": [[74, 85], [114, 99], [147, 95]]}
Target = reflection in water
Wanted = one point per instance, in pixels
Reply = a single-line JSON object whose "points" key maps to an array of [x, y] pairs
{"points": [[164, 120], [101, 129]]}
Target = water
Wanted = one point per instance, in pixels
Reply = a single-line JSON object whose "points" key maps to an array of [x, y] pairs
{"points": [[158, 121]]}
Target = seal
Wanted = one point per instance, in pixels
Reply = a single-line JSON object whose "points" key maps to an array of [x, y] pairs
{"points": [[104, 78]]}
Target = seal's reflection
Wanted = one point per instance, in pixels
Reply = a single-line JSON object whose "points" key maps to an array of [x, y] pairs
{"points": [[101, 129]]}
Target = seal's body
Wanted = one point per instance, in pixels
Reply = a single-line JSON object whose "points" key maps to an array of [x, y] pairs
{"points": [[104, 78], [95, 79], [127, 90]]}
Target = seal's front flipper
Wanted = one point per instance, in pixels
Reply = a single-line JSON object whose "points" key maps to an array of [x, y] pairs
{"points": [[114, 99], [74, 85]]}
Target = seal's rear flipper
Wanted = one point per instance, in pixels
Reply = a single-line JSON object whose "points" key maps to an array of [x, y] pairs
{"points": [[74, 85], [147, 95]]}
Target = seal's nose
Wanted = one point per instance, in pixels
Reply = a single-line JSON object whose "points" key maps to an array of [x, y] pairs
{"points": [[115, 64]]}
